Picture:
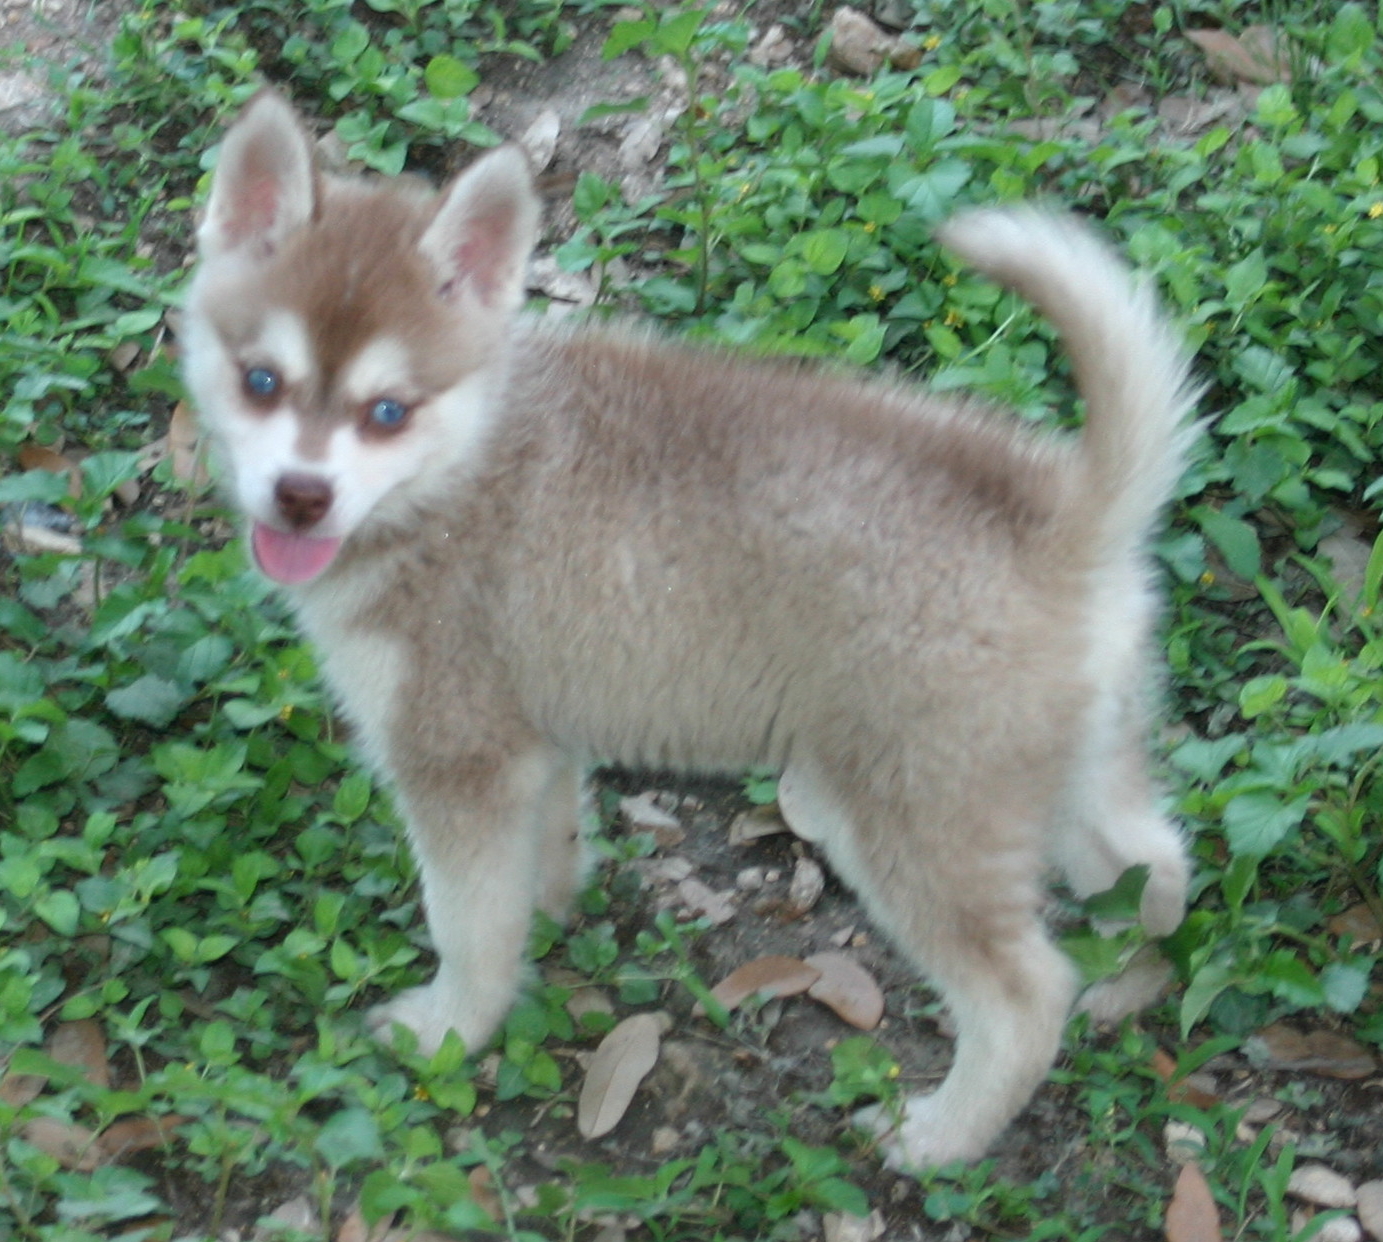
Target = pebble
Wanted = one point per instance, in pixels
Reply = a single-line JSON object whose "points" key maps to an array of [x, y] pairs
{"points": [[1341, 1229], [1370, 1205], [1322, 1186], [1184, 1143]]}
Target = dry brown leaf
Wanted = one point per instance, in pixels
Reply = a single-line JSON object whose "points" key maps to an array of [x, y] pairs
{"points": [[41, 457], [762, 821], [843, 1227], [1181, 1089], [1358, 923], [1320, 1185], [699, 898], [81, 1045], [1192, 1215], [1318, 1052], [185, 447], [1254, 56], [134, 1134], [484, 1193], [71, 1145], [848, 988], [17, 1090], [124, 355], [769, 976], [619, 1065], [355, 1229], [808, 883]]}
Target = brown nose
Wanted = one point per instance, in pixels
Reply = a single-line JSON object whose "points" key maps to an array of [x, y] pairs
{"points": [[303, 499]]}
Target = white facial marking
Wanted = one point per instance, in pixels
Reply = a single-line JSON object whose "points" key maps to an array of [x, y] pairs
{"points": [[380, 369], [283, 341]]}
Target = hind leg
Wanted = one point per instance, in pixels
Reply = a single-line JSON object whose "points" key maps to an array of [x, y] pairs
{"points": [[564, 857], [956, 887], [1111, 822]]}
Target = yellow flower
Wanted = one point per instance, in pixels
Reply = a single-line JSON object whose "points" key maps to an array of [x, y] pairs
{"points": [[870, 225], [1207, 579], [932, 42], [954, 319], [876, 293], [1375, 210], [949, 279]]}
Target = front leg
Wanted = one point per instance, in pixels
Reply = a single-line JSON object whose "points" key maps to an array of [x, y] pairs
{"points": [[476, 832]]}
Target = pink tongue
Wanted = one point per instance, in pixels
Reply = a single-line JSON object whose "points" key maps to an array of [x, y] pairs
{"points": [[290, 558]]}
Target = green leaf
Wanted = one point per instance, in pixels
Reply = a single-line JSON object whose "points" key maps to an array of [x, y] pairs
{"points": [[1236, 540], [349, 1135], [1287, 977], [1345, 985], [149, 699], [626, 35], [1245, 280], [825, 249], [1261, 694], [1259, 821], [352, 797], [446, 77], [60, 910], [1351, 36]]}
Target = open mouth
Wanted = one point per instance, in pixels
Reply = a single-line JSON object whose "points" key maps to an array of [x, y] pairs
{"points": [[290, 558]]}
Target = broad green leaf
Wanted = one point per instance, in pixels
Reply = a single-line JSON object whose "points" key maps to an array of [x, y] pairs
{"points": [[446, 77], [825, 249], [149, 699], [1258, 822]]}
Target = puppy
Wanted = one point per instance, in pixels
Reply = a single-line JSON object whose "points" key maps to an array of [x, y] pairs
{"points": [[520, 547]]}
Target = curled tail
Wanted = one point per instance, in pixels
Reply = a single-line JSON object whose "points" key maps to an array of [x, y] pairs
{"points": [[1130, 366]]}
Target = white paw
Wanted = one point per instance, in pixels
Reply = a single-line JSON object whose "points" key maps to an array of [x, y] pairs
{"points": [[920, 1139], [429, 1012]]}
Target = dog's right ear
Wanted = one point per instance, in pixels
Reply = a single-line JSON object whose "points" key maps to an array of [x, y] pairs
{"points": [[264, 184]]}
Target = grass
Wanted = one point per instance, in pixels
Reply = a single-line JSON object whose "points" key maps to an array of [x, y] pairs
{"points": [[191, 863]]}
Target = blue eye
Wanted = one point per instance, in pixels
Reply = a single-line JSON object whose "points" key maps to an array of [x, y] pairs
{"points": [[262, 383], [387, 413]]}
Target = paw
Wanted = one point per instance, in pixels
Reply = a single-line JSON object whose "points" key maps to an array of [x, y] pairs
{"points": [[429, 1012], [918, 1139]]}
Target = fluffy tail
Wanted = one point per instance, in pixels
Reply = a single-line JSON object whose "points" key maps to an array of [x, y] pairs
{"points": [[1130, 367]]}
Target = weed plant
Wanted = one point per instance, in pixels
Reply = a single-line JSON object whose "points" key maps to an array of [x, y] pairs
{"points": [[189, 857]]}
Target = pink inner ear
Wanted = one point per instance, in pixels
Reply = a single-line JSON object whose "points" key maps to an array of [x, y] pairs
{"points": [[481, 258], [256, 208]]}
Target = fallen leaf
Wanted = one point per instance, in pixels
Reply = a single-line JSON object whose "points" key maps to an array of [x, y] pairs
{"points": [[82, 1045], [1358, 923], [135, 1134], [1183, 1142], [71, 1145], [483, 1191], [1192, 1215], [539, 140], [843, 1227], [41, 457], [768, 977], [297, 1214], [1255, 55], [188, 460], [620, 1063], [354, 1229], [124, 355], [17, 1090], [699, 898], [1319, 1052], [1181, 1089], [762, 821], [808, 883], [848, 988]]}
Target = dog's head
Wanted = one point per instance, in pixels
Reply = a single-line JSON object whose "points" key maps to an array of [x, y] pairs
{"points": [[342, 335]]}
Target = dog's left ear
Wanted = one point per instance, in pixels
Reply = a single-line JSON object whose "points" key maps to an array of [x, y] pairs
{"points": [[484, 229], [264, 186]]}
